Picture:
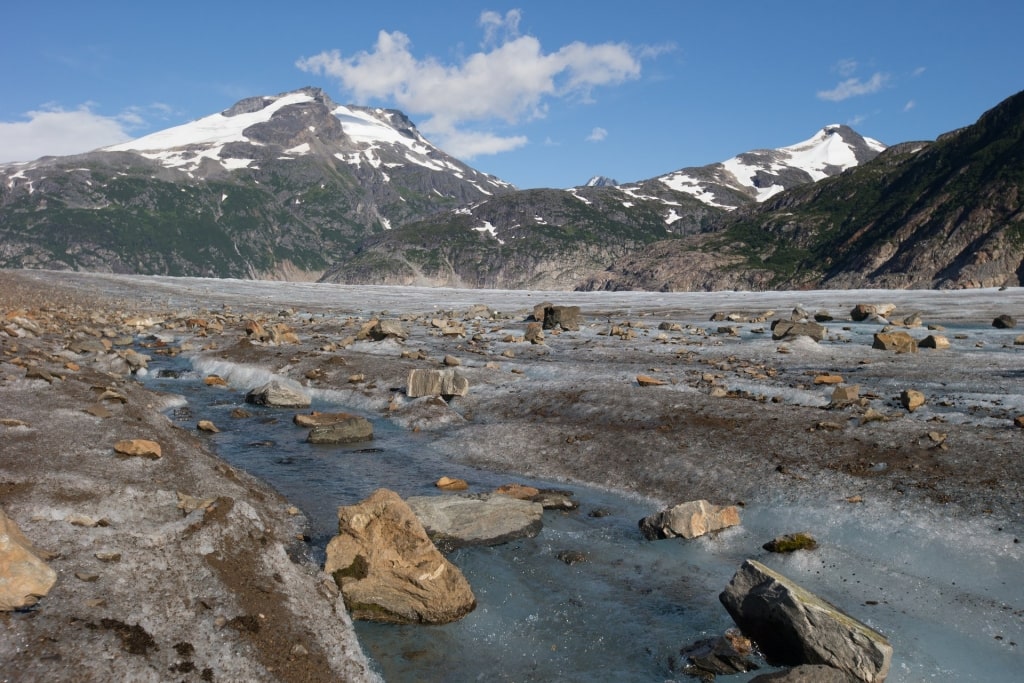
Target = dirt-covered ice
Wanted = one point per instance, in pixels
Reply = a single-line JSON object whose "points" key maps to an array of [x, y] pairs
{"points": [[918, 513]]}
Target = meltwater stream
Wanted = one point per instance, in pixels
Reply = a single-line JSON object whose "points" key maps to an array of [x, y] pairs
{"points": [[624, 613]]}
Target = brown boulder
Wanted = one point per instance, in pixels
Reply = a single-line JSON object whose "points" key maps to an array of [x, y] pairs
{"points": [[911, 399], [387, 568], [138, 447], [689, 520], [24, 576], [900, 342]]}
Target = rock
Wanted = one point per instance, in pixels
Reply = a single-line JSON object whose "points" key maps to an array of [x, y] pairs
{"points": [[822, 317], [1019, 421], [571, 557], [476, 519], [806, 673], [451, 484], [448, 327], [784, 329], [24, 576], [138, 447], [534, 333], [900, 342], [789, 543], [934, 341], [388, 569], [722, 656], [828, 379], [349, 430], [792, 626], [565, 317], [254, 330], [1019, 340], [518, 491], [214, 381], [387, 329], [207, 426], [911, 399], [433, 382], [278, 395], [1004, 322], [689, 520], [552, 499], [317, 418], [648, 381], [912, 320], [862, 312], [451, 361]]}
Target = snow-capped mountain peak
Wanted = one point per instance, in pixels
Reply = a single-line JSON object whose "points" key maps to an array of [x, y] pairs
{"points": [[300, 123], [761, 174]]}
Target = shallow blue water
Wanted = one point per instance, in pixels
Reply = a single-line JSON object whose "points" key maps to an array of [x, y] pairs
{"points": [[622, 614]]}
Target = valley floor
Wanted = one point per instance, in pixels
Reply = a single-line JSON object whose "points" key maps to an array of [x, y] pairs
{"points": [[733, 416]]}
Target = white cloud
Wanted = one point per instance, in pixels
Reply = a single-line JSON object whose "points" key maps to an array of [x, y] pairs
{"points": [[510, 80], [56, 132], [846, 67], [918, 71], [909, 105], [469, 144], [854, 87], [597, 135]]}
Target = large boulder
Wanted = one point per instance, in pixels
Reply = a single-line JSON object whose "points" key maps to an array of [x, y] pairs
{"points": [[792, 626], [689, 520], [1004, 322], [387, 568], [279, 395], [436, 382], [806, 673], [476, 519], [24, 576]]}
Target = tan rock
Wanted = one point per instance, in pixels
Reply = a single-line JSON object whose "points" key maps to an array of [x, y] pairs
{"points": [[534, 333], [1019, 421], [648, 381], [900, 342], [517, 491], [846, 394], [215, 381], [451, 484], [138, 447], [689, 520], [207, 426], [911, 399], [433, 382], [388, 569], [934, 341], [24, 576], [828, 379]]}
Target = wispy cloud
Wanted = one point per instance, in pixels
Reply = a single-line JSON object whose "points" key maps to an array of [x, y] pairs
{"points": [[54, 131], [918, 71], [510, 80], [909, 105], [855, 87], [597, 135]]}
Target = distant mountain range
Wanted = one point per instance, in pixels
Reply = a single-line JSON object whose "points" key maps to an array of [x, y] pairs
{"points": [[296, 186]]}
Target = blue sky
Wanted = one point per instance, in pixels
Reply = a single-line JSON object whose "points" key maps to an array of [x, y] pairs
{"points": [[541, 94]]}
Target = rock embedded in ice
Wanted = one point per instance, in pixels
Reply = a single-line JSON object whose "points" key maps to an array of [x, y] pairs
{"points": [[784, 329], [389, 570], [433, 382], [689, 520], [1004, 322], [534, 333], [24, 576], [648, 381], [278, 395], [912, 399], [476, 519], [518, 491], [387, 329], [451, 484], [793, 626], [847, 394], [934, 341], [721, 656], [788, 543], [900, 342], [862, 312], [563, 317], [143, 448]]}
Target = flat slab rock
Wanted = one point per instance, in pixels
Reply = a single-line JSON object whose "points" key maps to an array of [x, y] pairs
{"points": [[793, 626], [477, 519]]}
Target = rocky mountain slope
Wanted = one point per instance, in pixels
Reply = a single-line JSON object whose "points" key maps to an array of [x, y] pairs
{"points": [[278, 186], [942, 214], [556, 239]]}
